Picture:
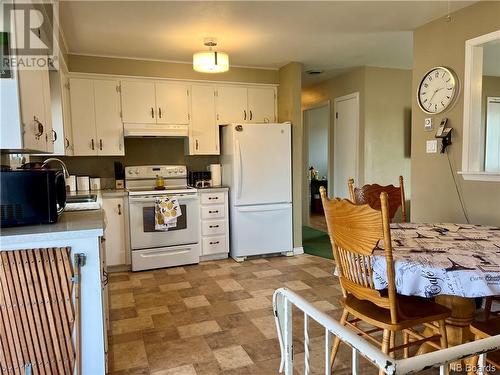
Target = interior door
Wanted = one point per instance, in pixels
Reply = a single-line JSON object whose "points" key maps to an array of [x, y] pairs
{"points": [[83, 116], [231, 104], [262, 164], [346, 139], [172, 102], [138, 102], [204, 132], [109, 125], [261, 104]]}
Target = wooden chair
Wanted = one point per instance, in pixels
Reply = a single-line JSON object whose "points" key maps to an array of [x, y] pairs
{"points": [[487, 306], [355, 231], [481, 330], [370, 194]]}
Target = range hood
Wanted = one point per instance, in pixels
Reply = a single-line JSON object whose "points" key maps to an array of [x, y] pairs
{"points": [[155, 130]]}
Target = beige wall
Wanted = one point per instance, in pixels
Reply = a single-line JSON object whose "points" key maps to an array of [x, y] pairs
{"points": [[385, 108], [290, 80], [434, 197], [162, 69], [387, 126]]}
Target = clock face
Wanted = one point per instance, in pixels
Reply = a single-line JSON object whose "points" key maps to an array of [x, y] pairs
{"points": [[437, 90]]}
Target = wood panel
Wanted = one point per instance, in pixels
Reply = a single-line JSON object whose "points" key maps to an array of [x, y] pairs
{"points": [[36, 311]]}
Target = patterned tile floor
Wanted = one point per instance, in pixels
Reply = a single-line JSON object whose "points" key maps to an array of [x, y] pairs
{"points": [[216, 317]]}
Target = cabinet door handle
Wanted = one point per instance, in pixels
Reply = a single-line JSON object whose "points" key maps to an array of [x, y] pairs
{"points": [[197, 144], [210, 198], [67, 142], [100, 144], [213, 226], [244, 114], [213, 212], [119, 209], [152, 112], [214, 242], [93, 147], [39, 127], [55, 136], [251, 114], [159, 112]]}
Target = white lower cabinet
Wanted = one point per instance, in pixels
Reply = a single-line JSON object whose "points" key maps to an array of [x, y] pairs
{"points": [[115, 231], [214, 222]]}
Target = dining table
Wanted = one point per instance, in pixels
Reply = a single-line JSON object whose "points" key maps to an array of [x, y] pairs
{"points": [[454, 263]]}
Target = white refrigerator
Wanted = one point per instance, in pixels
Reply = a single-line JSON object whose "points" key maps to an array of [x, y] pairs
{"points": [[257, 166]]}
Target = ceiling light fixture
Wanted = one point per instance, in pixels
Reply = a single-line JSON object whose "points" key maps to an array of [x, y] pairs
{"points": [[210, 61]]}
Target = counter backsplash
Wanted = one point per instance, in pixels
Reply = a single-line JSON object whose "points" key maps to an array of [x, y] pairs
{"points": [[138, 151]]}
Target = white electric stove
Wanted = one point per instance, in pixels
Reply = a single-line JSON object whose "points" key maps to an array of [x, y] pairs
{"points": [[158, 249]]}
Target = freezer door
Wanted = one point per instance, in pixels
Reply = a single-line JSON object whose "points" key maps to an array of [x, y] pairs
{"points": [[262, 229], [262, 164]]}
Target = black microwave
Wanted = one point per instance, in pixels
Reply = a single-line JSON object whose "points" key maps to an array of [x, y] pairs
{"points": [[32, 196]]}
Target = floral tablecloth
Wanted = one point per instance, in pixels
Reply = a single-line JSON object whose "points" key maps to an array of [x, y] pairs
{"points": [[442, 259]]}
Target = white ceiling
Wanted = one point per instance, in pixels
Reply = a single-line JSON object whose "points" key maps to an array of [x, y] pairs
{"points": [[330, 35]]}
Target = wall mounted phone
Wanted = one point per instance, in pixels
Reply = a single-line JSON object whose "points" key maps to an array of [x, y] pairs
{"points": [[444, 132]]}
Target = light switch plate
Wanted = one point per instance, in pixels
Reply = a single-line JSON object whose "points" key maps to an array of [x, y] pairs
{"points": [[428, 124], [431, 146]]}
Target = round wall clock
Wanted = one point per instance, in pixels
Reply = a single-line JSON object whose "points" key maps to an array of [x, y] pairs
{"points": [[437, 90]]}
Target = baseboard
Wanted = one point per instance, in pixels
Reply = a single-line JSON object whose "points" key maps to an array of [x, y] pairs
{"points": [[204, 258], [298, 250]]}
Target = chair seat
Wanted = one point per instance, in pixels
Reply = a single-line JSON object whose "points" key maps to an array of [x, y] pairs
{"points": [[487, 328], [412, 311]]}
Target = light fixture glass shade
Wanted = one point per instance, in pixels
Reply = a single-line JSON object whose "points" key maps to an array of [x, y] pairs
{"points": [[211, 62]]}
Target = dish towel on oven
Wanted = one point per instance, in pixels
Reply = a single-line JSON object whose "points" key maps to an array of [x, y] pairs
{"points": [[167, 210]]}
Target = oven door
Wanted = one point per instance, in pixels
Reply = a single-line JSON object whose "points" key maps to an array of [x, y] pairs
{"points": [[142, 223]]}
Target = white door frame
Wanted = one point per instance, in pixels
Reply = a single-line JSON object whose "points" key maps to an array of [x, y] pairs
{"points": [[305, 149], [354, 95]]}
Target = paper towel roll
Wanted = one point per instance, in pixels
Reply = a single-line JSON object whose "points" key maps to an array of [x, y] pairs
{"points": [[215, 170]]}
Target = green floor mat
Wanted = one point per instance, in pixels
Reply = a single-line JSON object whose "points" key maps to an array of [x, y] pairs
{"points": [[316, 242]]}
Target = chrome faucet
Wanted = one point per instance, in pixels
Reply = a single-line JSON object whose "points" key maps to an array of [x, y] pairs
{"points": [[64, 168]]}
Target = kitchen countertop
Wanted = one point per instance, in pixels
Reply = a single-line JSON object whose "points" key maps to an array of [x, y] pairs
{"points": [[113, 193], [75, 224]]}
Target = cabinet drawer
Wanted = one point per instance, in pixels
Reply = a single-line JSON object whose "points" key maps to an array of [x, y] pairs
{"points": [[213, 212], [214, 245], [209, 198], [209, 228]]}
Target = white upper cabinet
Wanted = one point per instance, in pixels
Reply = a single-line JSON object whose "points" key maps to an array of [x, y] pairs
{"points": [[231, 104], [172, 103], [95, 117], [82, 116], [261, 104], [204, 132], [138, 102], [36, 116], [245, 104], [109, 126], [60, 107]]}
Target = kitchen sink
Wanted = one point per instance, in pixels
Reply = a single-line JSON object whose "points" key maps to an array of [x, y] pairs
{"points": [[88, 198]]}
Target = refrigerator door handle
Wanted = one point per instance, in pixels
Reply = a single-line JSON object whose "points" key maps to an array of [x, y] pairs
{"points": [[274, 207], [238, 168]]}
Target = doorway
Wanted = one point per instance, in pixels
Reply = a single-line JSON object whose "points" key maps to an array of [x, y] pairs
{"points": [[346, 143], [317, 154]]}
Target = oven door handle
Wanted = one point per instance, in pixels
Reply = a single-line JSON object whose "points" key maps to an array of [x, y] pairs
{"points": [[180, 199]]}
